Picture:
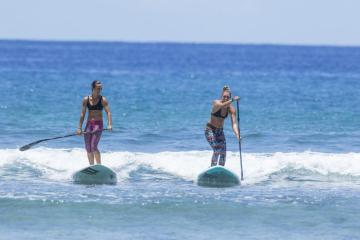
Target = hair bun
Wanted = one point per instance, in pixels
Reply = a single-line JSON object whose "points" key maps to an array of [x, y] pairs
{"points": [[226, 87]]}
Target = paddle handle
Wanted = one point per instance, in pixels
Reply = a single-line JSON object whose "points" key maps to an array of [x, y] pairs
{"points": [[238, 126], [28, 146]]}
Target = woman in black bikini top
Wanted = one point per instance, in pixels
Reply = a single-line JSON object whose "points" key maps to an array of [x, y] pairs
{"points": [[95, 103], [214, 128]]}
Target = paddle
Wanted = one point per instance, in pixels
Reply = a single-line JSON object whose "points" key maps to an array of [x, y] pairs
{"points": [[238, 125], [28, 146]]}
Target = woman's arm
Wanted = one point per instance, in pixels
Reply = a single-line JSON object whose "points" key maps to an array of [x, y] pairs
{"points": [[217, 104], [82, 116], [108, 113], [234, 123]]}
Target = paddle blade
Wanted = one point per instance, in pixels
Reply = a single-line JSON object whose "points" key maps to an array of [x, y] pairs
{"points": [[28, 146], [24, 148]]}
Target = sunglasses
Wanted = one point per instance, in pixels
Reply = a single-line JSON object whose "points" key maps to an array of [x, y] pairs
{"points": [[226, 97]]}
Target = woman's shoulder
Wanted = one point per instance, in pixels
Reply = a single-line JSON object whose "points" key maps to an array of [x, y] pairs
{"points": [[216, 101], [104, 100]]}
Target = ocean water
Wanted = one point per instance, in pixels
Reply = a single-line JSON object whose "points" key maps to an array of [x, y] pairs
{"points": [[299, 114]]}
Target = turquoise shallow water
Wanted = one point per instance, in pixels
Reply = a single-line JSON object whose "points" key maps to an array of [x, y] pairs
{"points": [[254, 214], [299, 119]]}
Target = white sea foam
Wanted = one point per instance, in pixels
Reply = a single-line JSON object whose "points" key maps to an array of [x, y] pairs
{"points": [[59, 164]]}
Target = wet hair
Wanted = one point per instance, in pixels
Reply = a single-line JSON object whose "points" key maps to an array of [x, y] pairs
{"points": [[93, 84], [226, 88]]}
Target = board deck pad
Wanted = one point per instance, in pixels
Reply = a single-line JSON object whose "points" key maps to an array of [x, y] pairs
{"points": [[95, 174], [217, 176]]}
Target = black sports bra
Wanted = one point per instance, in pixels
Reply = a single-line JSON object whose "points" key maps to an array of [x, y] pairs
{"points": [[97, 106], [218, 114]]}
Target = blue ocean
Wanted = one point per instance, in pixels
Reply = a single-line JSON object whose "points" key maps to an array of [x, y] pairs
{"points": [[299, 118]]}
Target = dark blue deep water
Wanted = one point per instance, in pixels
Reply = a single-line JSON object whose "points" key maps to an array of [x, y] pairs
{"points": [[299, 114]]}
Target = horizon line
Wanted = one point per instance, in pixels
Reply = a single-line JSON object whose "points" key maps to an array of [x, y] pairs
{"points": [[178, 42]]}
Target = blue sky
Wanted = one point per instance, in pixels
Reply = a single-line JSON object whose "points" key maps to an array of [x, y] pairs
{"points": [[317, 22]]}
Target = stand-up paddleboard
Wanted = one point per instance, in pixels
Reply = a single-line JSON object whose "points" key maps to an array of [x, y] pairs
{"points": [[95, 174], [218, 176]]}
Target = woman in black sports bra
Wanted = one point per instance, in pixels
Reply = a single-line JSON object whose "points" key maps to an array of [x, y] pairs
{"points": [[95, 104], [214, 132]]}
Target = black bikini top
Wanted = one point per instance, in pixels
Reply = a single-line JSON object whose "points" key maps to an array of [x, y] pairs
{"points": [[218, 114], [97, 106]]}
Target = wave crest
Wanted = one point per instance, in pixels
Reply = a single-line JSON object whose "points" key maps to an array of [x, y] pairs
{"points": [[59, 164]]}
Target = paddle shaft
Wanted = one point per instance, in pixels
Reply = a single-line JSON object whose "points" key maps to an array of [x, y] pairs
{"points": [[28, 146], [238, 126]]}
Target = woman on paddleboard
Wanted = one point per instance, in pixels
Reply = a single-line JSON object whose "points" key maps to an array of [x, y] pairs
{"points": [[214, 131], [95, 103]]}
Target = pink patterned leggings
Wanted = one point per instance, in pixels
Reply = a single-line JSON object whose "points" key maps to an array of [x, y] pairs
{"points": [[92, 139]]}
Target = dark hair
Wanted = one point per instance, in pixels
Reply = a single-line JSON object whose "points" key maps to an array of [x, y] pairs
{"points": [[93, 84]]}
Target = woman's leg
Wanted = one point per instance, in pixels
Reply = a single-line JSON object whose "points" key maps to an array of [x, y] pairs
{"points": [[87, 139], [222, 148], [97, 157], [90, 158], [95, 141], [214, 159], [210, 137]]}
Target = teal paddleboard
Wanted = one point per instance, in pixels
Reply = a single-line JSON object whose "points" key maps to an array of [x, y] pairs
{"points": [[95, 174], [218, 176]]}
